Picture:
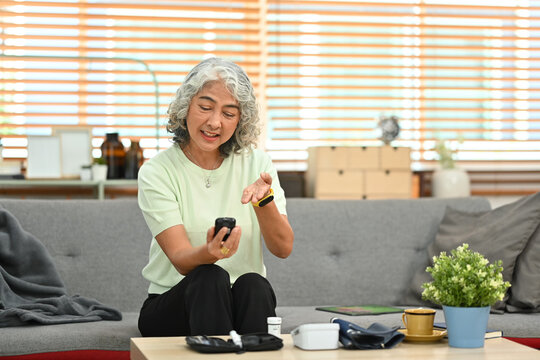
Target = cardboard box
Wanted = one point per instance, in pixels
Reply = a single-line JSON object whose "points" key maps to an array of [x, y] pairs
{"points": [[363, 157], [340, 182], [386, 196], [356, 172], [395, 158], [380, 182], [328, 157]]}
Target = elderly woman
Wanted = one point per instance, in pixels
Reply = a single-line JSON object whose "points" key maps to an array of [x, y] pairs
{"points": [[201, 283]]}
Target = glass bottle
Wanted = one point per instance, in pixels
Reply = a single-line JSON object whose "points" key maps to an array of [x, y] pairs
{"points": [[134, 160], [114, 154]]}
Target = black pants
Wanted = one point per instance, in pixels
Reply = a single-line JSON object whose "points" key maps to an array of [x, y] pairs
{"points": [[204, 303]]}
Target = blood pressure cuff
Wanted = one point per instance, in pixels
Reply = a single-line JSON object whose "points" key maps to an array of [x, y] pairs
{"points": [[250, 342], [376, 336]]}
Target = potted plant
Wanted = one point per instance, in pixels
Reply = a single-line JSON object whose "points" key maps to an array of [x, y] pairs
{"points": [[466, 285], [99, 169], [446, 155], [449, 180]]}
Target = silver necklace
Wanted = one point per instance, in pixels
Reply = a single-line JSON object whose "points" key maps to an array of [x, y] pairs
{"points": [[207, 178]]}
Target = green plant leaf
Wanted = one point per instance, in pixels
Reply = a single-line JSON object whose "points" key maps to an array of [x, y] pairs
{"points": [[464, 278]]}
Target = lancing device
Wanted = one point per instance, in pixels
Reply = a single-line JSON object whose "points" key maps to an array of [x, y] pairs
{"points": [[227, 222], [236, 339]]}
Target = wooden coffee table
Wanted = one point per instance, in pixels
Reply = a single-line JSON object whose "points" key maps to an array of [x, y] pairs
{"points": [[169, 348]]}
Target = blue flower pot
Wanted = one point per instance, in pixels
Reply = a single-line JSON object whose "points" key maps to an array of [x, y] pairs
{"points": [[466, 325]]}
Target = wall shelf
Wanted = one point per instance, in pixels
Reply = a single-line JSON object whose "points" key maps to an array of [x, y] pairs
{"points": [[97, 189]]}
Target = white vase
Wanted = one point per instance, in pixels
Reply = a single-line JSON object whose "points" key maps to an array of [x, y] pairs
{"points": [[447, 183], [99, 172]]}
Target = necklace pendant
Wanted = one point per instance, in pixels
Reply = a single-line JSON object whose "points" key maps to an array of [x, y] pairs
{"points": [[207, 183]]}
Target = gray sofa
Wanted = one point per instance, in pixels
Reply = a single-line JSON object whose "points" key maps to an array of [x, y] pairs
{"points": [[345, 253]]}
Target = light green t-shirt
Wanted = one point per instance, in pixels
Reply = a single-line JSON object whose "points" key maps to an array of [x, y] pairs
{"points": [[172, 191]]}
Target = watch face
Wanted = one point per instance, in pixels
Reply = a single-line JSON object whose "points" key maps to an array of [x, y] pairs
{"points": [[266, 201]]}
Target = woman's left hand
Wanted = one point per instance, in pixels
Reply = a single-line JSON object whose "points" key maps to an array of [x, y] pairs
{"points": [[259, 189]]}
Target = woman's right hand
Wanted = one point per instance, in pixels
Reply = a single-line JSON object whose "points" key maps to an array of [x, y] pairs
{"points": [[223, 249]]}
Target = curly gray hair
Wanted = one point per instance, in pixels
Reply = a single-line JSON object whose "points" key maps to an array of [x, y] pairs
{"points": [[239, 85]]}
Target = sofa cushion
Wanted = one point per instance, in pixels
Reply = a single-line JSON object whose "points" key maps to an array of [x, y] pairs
{"points": [[100, 335], [99, 247], [356, 252], [74, 355], [525, 290], [499, 234]]}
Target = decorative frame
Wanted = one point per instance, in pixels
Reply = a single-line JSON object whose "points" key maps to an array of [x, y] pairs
{"points": [[75, 150], [43, 157]]}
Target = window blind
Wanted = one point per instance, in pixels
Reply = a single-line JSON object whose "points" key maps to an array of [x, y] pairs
{"points": [[463, 71], [325, 72], [112, 66]]}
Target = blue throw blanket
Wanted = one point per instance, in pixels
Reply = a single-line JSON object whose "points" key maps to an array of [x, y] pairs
{"points": [[31, 290]]}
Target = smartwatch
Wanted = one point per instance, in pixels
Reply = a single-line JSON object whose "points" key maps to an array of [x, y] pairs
{"points": [[265, 200]]}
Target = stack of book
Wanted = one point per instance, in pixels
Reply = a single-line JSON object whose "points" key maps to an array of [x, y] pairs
{"points": [[361, 309]]}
